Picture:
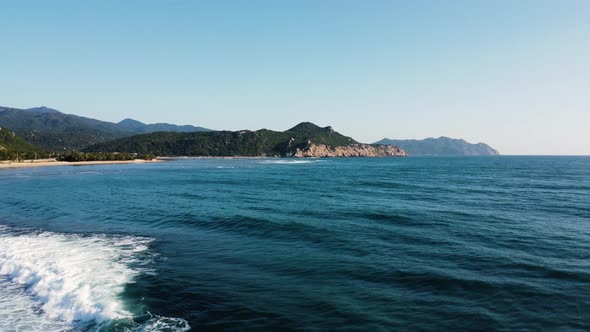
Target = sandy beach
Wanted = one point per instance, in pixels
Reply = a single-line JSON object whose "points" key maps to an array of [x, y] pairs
{"points": [[53, 162]]}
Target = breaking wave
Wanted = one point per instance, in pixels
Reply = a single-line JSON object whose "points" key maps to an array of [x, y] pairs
{"points": [[70, 281]]}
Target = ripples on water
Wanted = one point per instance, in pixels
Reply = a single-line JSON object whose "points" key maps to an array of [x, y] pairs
{"points": [[250, 244]]}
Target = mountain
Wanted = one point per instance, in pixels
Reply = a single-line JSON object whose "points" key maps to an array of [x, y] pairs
{"points": [[138, 127], [442, 146], [13, 147], [304, 140], [131, 125], [43, 109], [56, 131]]}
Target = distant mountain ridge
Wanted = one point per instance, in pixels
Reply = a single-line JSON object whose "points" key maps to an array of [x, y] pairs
{"points": [[442, 146], [56, 131], [304, 140], [143, 128]]}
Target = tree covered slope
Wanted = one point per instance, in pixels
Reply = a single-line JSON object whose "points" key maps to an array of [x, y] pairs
{"points": [[13, 147]]}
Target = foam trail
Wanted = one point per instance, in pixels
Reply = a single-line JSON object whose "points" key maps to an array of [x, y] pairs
{"points": [[74, 279]]}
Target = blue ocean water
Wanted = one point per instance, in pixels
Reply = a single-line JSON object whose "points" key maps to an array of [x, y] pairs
{"points": [[419, 243]]}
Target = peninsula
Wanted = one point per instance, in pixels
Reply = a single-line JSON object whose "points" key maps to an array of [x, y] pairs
{"points": [[442, 146], [304, 140]]}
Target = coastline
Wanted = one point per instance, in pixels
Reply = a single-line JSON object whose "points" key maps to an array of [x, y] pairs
{"points": [[53, 162]]}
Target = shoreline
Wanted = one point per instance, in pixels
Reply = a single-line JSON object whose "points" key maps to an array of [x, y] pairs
{"points": [[46, 163], [220, 157]]}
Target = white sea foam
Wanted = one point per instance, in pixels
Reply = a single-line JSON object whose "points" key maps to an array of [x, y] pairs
{"points": [[160, 323], [20, 312], [68, 279], [290, 161]]}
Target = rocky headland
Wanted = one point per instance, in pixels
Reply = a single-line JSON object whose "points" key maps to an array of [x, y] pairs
{"points": [[353, 150]]}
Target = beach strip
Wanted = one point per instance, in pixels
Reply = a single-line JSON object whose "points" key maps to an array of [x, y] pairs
{"points": [[44, 163]]}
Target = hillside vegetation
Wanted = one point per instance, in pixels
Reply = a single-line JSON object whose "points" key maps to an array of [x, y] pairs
{"points": [[13, 147]]}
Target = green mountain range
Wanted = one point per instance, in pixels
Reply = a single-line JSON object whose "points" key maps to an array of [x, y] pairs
{"points": [[56, 131], [442, 146], [13, 147], [65, 134], [262, 142], [45, 129]]}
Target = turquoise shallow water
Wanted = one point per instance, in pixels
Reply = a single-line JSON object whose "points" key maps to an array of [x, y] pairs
{"points": [[445, 243]]}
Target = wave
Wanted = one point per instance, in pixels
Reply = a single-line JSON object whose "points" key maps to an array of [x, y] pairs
{"points": [[74, 279]]}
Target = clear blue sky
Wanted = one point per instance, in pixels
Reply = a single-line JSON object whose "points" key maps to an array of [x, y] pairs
{"points": [[514, 74]]}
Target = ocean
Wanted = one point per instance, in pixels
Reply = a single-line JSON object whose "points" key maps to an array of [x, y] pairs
{"points": [[365, 244]]}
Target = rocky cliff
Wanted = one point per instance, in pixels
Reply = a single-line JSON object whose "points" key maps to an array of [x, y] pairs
{"points": [[353, 150]]}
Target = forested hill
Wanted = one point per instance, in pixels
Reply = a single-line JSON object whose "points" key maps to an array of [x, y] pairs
{"points": [[13, 147], [442, 146], [227, 143], [57, 131]]}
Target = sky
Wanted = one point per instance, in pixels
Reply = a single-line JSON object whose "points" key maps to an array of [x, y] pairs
{"points": [[513, 74]]}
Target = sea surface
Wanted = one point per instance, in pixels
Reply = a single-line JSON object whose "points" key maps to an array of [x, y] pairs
{"points": [[412, 244]]}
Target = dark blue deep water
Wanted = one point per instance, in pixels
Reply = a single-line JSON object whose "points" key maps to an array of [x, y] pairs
{"points": [[457, 243]]}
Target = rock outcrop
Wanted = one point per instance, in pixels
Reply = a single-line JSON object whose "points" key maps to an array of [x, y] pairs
{"points": [[353, 150]]}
